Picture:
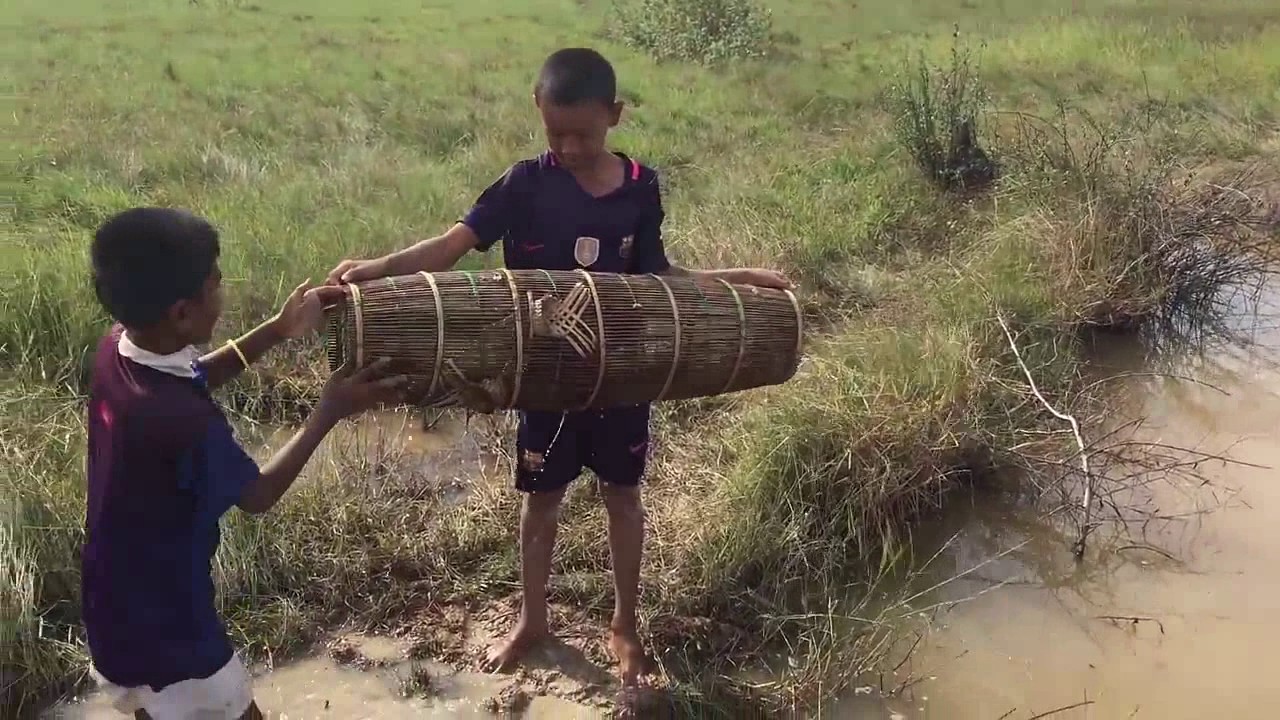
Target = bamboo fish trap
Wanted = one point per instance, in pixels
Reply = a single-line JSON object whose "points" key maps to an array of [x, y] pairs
{"points": [[566, 340]]}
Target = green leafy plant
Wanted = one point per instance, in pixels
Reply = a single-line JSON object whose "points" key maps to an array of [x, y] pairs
{"points": [[936, 120]]}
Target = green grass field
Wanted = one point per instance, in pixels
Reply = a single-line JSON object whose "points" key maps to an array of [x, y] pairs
{"points": [[310, 132]]}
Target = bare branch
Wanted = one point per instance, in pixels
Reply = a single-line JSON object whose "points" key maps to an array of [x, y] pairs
{"points": [[1087, 502], [1082, 703]]}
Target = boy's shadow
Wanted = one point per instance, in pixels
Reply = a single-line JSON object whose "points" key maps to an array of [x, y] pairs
{"points": [[568, 658], [591, 680]]}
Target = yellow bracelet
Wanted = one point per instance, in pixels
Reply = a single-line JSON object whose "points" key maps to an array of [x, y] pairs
{"points": [[232, 344]]}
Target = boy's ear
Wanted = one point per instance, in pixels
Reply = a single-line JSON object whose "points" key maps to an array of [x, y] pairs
{"points": [[179, 313], [615, 113]]}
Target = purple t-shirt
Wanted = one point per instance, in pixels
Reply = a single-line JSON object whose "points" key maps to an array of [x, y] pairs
{"points": [[163, 466], [546, 221]]}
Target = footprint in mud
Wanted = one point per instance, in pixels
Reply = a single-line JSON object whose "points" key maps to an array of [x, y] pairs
{"points": [[429, 671], [510, 701]]}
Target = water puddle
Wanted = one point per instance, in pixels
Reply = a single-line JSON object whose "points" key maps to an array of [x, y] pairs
{"points": [[1159, 627], [446, 448], [383, 686]]}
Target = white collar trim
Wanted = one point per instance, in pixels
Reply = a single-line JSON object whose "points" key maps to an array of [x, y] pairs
{"points": [[179, 364]]}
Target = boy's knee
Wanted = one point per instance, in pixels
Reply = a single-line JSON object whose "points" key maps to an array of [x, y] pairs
{"points": [[543, 504], [622, 500]]}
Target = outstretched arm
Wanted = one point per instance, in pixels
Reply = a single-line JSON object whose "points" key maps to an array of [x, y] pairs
{"points": [[344, 395], [486, 223], [262, 493], [223, 474], [759, 277], [435, 254], [300, 314], [224, 364]]}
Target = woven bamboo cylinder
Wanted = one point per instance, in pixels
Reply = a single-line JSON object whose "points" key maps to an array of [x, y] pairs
{"points": [[566, 340]]}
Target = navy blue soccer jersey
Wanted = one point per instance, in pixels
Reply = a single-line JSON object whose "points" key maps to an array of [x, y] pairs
{"points": [[545, 220], [163, 467]]}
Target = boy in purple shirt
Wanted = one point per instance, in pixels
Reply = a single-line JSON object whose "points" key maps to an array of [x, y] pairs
{"points": [[578, 205], [163, 465]]}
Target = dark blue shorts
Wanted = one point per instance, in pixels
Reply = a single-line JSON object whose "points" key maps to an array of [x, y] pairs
{"points": [[552, 449]]}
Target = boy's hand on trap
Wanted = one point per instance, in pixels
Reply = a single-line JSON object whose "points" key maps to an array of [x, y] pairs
{"points": [[760, 277], [350, 393], [350, 271], [301, 313]]}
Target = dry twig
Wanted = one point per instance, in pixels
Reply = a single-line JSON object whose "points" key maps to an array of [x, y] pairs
{"points": [[1084, 703], [1087, 503], [1133, 619]]}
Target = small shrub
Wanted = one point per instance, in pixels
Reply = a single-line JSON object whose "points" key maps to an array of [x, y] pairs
{"points": [[707, 31], [936, 121]]}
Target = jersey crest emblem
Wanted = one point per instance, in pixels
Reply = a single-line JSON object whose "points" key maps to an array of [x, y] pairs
{"points": [[625, 249], [586, 251]]}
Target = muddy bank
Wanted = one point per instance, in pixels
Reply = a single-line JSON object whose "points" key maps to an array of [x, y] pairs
{"points": [[1163, 626]]}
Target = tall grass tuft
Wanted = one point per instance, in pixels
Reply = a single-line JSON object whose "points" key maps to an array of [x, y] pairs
{"points": [[41, 510]]}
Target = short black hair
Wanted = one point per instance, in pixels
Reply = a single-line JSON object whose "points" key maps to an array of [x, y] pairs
{"points": [[145, 259], [574, 75]]}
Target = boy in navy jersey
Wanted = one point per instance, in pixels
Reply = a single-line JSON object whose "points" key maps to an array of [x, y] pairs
{"points": [[578, 205], [163, 465]]}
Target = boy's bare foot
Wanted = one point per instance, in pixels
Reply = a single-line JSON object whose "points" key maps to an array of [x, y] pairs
{"points": [[626, 648], [523, 638], [626, 703]]}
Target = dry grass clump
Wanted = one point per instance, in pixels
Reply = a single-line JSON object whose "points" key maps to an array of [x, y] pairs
{"points": [[1135, 239]]}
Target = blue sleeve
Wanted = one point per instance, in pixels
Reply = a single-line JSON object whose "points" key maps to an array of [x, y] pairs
{"points": [[490, 218], [217, 469], [650, 255]]}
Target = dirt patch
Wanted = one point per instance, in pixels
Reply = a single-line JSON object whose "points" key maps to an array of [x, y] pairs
{"points": [[574, 666], [440, 634], [443, 646]]}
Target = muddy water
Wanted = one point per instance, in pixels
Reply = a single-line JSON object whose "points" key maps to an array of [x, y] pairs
{"points": [[1187, 630], [388, 688]]}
